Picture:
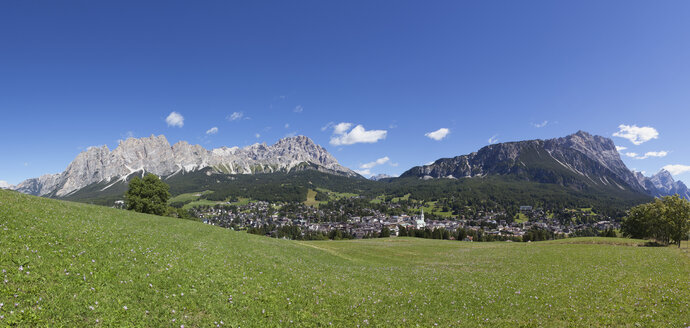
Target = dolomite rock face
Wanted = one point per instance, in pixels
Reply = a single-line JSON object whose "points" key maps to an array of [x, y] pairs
{"points": [[665, 185], [600, 150], [577, 160], [155, 155], [580, 153]]}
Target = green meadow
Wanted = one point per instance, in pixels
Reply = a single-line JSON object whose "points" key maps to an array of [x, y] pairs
{"points": [[66, 264]]}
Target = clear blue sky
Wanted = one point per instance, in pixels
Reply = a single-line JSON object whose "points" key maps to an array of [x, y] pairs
{"points": [[75, 74]]}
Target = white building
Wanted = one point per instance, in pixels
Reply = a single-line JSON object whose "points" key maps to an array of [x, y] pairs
{"points": [[419, 223]]}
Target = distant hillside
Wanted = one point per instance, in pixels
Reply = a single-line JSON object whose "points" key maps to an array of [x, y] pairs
{"points": [[66, 264]]}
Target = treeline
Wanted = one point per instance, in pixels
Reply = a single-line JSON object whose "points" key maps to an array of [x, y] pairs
{"points": [[293, 232], [666, 220], [591, 232], [263, 192], [461, 234], [534, 234], [459, 196], [504, 193]]}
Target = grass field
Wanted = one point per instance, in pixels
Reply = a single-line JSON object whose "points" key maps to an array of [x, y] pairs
{"points": [[188, 197], [432, 207], [336, 195], [311, 199], [194, 199], [69, 264], [520, 218]]}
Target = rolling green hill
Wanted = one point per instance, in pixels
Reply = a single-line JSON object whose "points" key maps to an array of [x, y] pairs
{"points": [[71, 264]]}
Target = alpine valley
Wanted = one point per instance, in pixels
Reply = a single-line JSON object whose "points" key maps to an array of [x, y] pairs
{"points": [[579, 170]]}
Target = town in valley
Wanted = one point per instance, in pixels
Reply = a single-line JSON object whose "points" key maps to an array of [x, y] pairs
{"points": [[299, 221]]}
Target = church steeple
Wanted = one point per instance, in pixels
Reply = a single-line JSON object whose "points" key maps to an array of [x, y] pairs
{"points": [[419, 222]]}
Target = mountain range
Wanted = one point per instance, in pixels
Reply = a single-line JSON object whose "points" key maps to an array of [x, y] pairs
{"points": [[578, 161], [155, 155]]}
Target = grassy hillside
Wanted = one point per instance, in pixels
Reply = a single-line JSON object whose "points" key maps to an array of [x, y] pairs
{"points": [[70, 264]]}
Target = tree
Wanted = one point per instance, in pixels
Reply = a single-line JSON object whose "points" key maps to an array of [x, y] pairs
{"points": [[148, 195], [677, 213], [402, 231], [385, 232], [666, 220], [461, 234]]}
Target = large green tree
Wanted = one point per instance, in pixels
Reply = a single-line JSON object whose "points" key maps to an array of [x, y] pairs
{"points": [[148, 195], [666, 219]]}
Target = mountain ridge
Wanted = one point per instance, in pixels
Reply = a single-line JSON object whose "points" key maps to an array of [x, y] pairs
{"points": [[155, 155], [574, 161], [578, 161]]}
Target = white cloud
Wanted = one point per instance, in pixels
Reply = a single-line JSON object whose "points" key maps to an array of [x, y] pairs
{"points": [[327, 126], [4, 184], [648, 154], [175, 119], [379, 161], [540, 125], [364, 172], [257, 136], [637, 135], [438, 134], [493, 140], [357, 135], [291, 134], [677, 169], [235, 116], [341, 128], [287, 125], [212, 130], [298, 109], [621, 148]]}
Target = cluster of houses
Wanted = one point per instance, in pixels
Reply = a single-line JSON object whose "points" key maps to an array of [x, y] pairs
{"points": [[259, 214]]}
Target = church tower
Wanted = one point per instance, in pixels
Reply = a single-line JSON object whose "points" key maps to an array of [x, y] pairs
{"points": [[419, 223]]}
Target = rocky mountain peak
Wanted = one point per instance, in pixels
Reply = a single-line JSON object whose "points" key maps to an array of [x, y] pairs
{"points": [[380, 176], [664, 174], [595, 147], [599, 149], [663, 181], [155, 155], [577, 160], [296, 140]]}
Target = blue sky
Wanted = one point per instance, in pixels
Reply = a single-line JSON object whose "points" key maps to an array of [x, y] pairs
{"points": [[75, 74]]}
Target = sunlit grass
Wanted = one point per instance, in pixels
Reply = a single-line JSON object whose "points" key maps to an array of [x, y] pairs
{"points": [[311, 199], [69, 264], [188, 197]]}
